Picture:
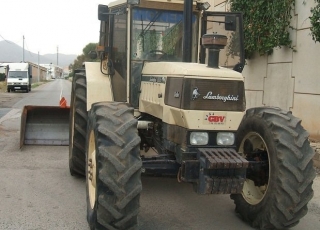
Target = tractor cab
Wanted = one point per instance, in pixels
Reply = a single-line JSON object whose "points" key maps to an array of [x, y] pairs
{"points": [[133, 35]]}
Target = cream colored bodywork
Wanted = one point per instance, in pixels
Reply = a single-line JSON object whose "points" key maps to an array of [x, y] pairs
{"points": [[149, 2], [98, 84], [152, 103]]}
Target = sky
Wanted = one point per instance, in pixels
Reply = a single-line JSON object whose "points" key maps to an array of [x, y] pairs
{"points": [[47, 24]]}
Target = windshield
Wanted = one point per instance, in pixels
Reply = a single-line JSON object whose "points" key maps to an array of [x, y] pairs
{"points": [[18, 74], [157, 35]]}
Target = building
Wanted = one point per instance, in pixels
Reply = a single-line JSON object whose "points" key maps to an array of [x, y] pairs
{"points": [[39, 73], [287, 79], [53, 71]]}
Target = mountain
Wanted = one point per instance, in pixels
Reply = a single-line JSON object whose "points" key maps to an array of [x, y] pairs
{"points": [[11, 52]]}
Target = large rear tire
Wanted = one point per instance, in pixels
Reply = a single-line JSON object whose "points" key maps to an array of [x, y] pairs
{"points": [[78, 124], [276, 193], [113, 167]]}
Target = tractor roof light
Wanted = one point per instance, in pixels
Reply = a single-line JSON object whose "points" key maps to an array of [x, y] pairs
{"points": [[203, 6], [133, 2]]}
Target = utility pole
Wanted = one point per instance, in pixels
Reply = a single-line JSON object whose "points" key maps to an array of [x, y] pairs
{"points": [[23, 48], [57, 55]]}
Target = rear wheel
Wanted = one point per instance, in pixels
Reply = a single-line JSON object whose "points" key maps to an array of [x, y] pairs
{"points": [[279, 185], [78, 124], [113, 167]]}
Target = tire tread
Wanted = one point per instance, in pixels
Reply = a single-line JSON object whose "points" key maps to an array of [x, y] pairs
{"points": [[294, 159]]}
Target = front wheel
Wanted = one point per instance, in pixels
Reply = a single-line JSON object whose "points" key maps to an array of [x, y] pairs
{"points": [[113, 167], [278, 186], [78, 124]]}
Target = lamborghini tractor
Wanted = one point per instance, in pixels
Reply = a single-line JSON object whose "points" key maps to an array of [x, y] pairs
{"points": [[167, 98]]}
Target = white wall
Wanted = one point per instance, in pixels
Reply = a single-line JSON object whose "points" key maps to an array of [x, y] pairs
{"points": [[287, 79]]}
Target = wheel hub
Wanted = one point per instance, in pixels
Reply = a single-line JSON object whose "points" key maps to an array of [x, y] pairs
{"points": [[253, 191], [91, 165]]}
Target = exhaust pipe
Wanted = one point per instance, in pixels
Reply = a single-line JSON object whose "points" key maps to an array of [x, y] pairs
{"points": [[214, 43]]}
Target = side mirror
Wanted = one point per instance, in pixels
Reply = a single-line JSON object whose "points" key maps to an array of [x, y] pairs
{"points": [[230, 23], [93, 54], [103, 13]]}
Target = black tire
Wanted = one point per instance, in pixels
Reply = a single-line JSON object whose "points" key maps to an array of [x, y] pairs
{"points": [[114, 167], [8, 90], [78, 125], [279, 191]]}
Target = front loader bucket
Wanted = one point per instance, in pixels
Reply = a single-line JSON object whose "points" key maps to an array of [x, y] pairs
{"points": [[44, 125]]}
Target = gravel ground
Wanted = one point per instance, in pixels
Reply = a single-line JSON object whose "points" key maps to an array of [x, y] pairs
{"points": [[7, 100]]}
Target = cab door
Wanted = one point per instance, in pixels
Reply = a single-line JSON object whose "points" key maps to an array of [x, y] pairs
{"points": [[118, 46]]}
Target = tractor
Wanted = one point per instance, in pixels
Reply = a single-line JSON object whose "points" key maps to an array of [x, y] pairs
{"points": [[166, 97]]}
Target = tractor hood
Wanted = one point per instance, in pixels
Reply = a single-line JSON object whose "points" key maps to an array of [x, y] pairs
{"points": [[189, 69]]}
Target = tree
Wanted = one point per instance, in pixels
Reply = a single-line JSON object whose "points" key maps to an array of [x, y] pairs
{"points": [[315, 22], [78, 62]]}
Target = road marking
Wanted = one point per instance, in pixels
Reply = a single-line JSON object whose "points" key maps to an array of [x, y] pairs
{"points": [[4, 111], [14, 113], [61, 90]]}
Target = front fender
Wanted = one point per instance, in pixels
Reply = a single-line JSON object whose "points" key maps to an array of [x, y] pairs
{"points": [[98, 84]]}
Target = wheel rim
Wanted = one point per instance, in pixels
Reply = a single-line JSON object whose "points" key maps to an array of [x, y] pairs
{"points": [[253, 190], [91, 164]]}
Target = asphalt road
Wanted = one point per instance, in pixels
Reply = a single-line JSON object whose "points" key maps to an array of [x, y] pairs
{"points": [[37, 191]]}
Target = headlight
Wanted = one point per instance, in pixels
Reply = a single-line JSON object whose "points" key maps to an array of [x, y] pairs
{"points": [[225, 138], [9, 83], [199, 138], [24, 83]]}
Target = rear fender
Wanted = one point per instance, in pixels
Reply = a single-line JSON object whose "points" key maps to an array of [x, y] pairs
{"points": [[98, 84]]}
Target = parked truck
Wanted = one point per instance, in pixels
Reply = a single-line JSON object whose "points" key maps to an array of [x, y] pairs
{"points": [[19, 77]]}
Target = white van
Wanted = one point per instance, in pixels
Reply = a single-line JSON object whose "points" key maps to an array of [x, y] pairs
{"points": [[19, 77]]}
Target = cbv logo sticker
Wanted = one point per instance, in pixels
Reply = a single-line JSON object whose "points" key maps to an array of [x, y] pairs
{"points": [[216, 119]]}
